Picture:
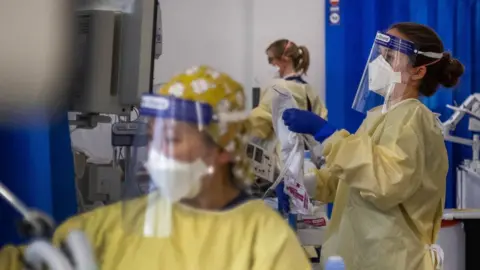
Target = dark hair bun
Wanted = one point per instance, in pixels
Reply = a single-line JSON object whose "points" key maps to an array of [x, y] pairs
{"points": [[452, 71]]}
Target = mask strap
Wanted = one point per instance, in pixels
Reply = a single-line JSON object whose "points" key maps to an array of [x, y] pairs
{"points": [[434, 55], [433, 62]]}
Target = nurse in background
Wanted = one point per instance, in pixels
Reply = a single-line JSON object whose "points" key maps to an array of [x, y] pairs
{"points": [[291, 62]]}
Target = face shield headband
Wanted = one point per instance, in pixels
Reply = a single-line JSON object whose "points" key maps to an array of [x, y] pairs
{"points": [[403, 46], [194, 112]]}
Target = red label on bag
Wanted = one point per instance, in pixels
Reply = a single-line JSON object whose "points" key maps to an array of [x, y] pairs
{"points": [[317, 222], [295, 193]]}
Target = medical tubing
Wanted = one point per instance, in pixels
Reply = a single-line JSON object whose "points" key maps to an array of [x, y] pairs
{"points": [[283, 172], [14, 201], [81, 251], [41, 252]]}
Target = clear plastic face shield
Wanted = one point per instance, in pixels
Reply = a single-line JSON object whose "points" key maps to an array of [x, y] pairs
{"points": [[170, 160], [387, 76]]}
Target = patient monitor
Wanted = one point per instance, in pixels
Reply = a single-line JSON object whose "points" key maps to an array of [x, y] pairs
{"points": [[262, 161], [115, 57]]}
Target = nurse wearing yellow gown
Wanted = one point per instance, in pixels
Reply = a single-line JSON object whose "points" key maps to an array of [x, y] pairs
{"points": [[186, 203], [291, 63], [387, 181]]}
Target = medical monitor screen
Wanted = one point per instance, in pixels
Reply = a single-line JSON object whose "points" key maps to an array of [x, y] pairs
{"points": [[250, 150], [258, 155]]}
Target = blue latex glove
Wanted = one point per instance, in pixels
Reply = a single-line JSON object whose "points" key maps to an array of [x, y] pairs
{"points": [[306, 122], [301, 121], [326, 131]]}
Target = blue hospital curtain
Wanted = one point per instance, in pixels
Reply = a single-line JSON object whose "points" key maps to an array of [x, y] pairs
{"points": [[37, 165], [348, 44]]}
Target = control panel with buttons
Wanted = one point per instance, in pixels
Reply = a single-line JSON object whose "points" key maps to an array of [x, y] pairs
{"points": [[126, 134], [262, 161]]}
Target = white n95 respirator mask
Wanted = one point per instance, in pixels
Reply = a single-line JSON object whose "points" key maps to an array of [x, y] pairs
{"points": [[175, 180], [274, 72], [381, 75]]}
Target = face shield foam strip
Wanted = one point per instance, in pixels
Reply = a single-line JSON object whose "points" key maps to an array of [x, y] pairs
{"points": [[176, 108]]}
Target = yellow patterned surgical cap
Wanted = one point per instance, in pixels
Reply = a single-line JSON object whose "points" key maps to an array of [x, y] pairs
{"points": [[225, 96]]}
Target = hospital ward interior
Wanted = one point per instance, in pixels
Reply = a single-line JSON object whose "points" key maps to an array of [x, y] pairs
{"points": [[240, 134]]}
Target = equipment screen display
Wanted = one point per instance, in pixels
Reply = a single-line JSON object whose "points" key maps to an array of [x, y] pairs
{"points": [[250, 150], [258, 155], [81, 55]]}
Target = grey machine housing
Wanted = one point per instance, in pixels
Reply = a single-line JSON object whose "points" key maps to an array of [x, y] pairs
{"points": [[116, 53]]}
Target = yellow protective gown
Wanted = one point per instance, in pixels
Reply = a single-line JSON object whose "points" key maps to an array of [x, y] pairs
{"points": [[251, 236], [388, 182], [260, 121], [261, 116]]}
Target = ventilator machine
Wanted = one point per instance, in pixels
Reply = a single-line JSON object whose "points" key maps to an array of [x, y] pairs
{"points": [[459, 241], [116, 49], [468, 173]]}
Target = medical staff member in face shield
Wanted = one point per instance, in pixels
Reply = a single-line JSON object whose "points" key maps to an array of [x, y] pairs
{"points": [[200, 215], [388, 179], [290, 62]]}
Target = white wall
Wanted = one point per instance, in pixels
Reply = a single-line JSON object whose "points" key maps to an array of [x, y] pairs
{"points": [[302, 22], [202, 32], [232, 35]]}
